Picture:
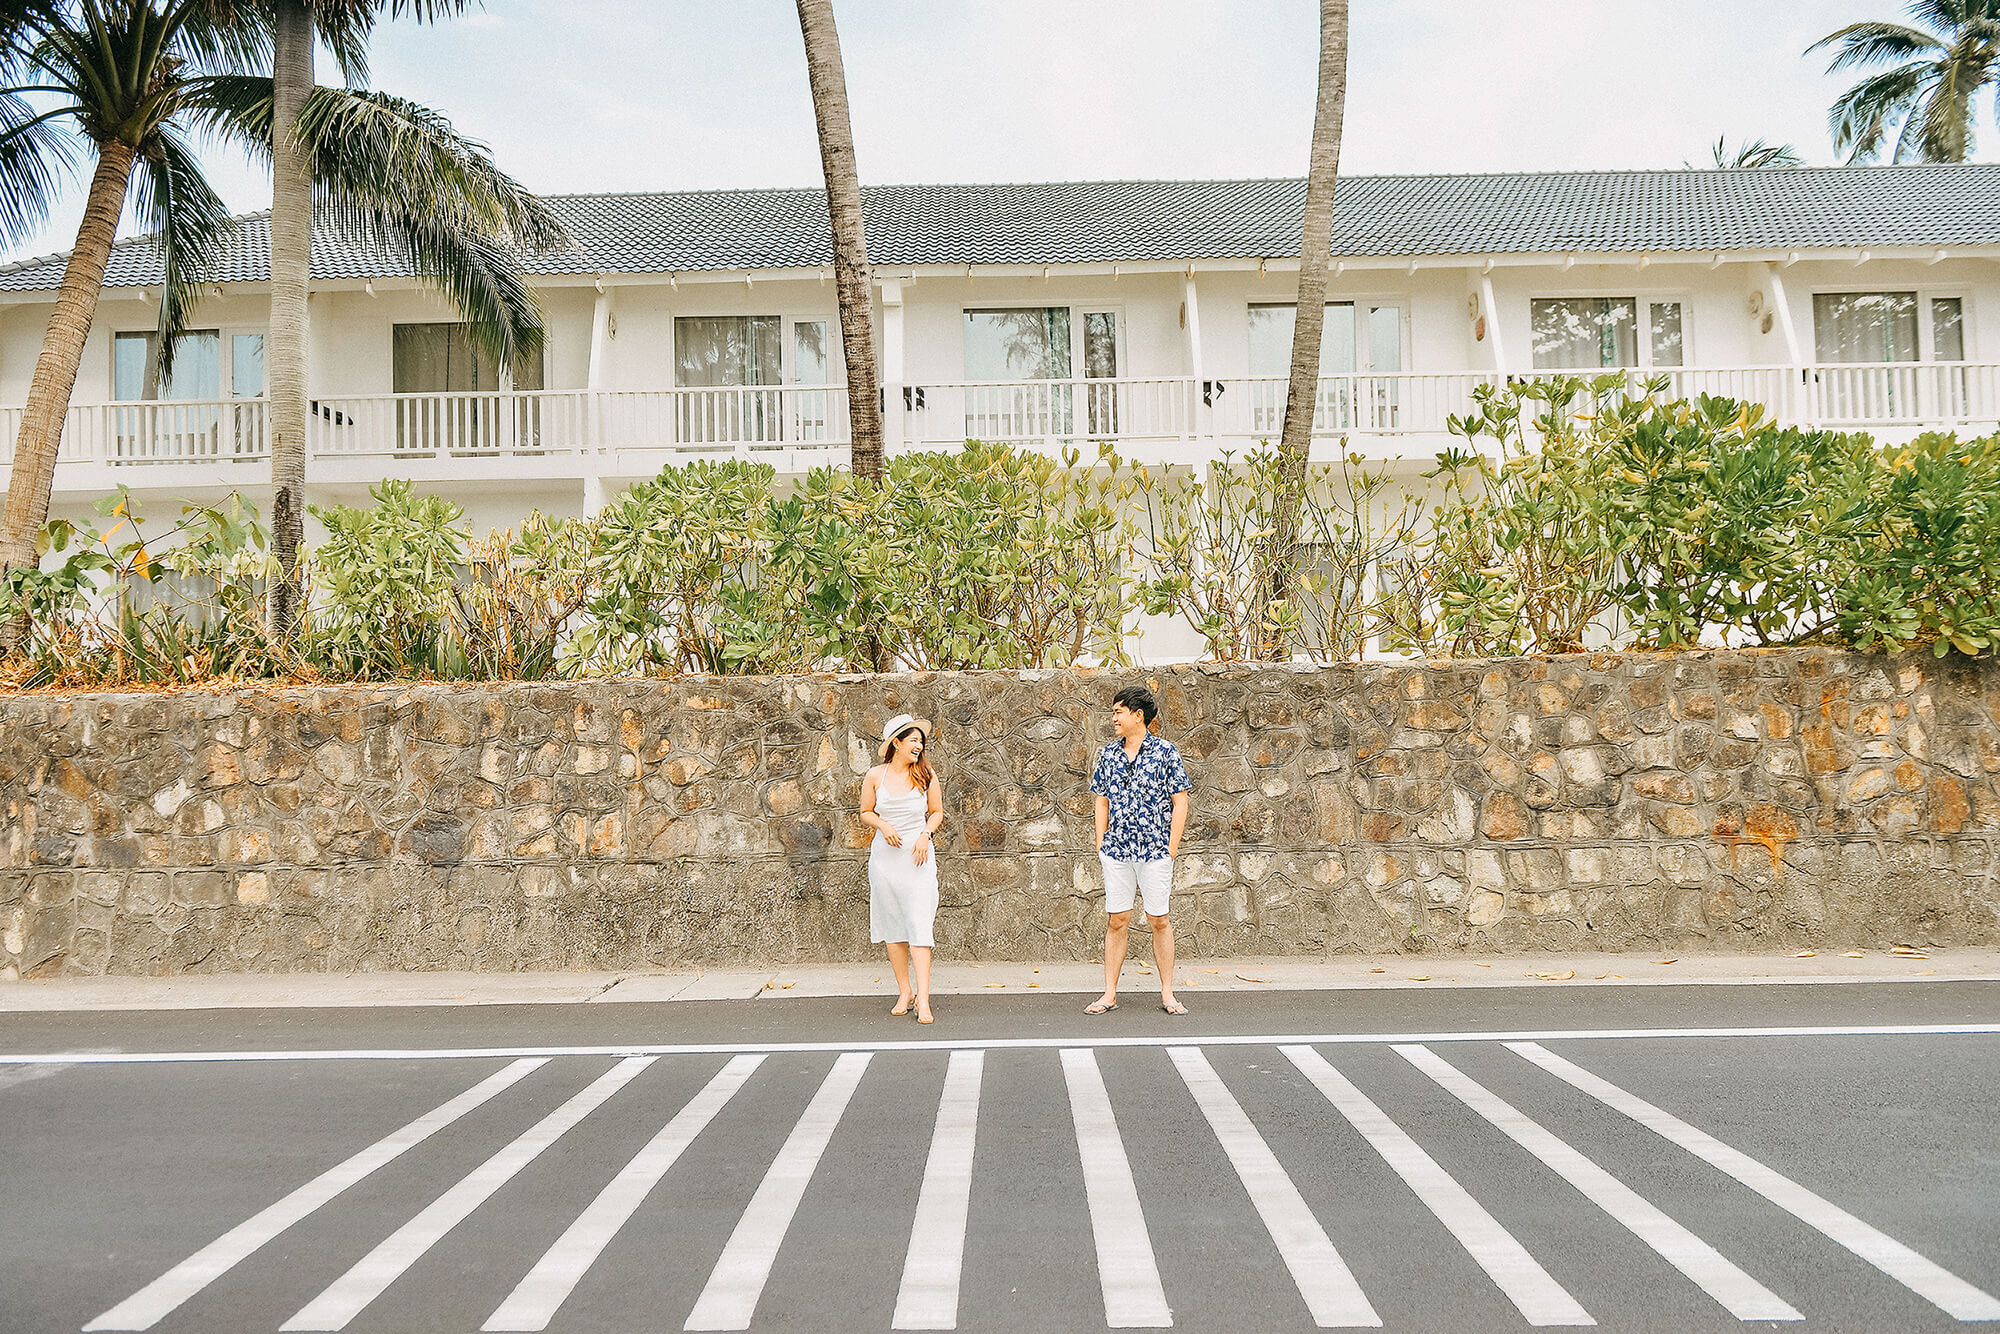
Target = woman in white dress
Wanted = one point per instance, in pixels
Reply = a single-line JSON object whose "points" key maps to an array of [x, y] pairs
{"points": [[903, 802]]}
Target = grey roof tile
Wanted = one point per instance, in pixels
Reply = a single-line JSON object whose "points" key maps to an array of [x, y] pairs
{"points": [[1077, 222]]}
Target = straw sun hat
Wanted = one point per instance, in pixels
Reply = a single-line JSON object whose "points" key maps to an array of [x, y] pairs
{"points": [[896, 726]]}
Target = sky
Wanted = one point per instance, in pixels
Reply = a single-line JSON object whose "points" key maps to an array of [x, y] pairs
{"points": [[636, 95]]}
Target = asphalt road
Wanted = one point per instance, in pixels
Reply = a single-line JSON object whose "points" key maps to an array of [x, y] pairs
{"points": [[1502, 1159]]}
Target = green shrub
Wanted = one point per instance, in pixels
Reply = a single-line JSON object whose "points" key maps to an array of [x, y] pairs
{"points": [[380, 581], [1925, 550]]}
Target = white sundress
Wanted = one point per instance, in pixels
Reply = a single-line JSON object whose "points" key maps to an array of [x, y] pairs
{"points": [[902, 896]]}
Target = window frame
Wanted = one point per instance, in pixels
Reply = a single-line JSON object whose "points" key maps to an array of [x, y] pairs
{"points": [[1078, 310], [225, 372], [787, 317], [1361, 303], [1926, 329], [505, 373], [1643, 299]]}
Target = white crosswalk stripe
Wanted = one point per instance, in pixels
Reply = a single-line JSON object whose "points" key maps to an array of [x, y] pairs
{"points": [[730, 1299], [928, 1298], [1325, 1281], [1744, 1297], [1936, 1285], [165, 1294], [351, 1293], [1128, 1273], [1539, 1298], [1126, 1269], [533, 1304]]}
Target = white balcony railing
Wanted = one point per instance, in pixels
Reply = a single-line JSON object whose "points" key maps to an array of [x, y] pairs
{"points": [[1168, 419]]}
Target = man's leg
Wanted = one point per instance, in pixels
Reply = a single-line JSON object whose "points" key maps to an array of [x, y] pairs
{"points": [[1163, 954], [1117, 926], [1156, 883]]}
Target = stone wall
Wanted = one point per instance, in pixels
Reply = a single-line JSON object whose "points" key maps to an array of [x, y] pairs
{"points": [[1768, 800]]}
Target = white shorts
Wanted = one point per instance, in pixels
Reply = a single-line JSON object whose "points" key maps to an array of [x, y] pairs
{"points": [[1152, 881]]}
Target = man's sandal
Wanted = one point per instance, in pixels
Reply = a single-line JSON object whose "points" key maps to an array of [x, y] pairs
{"points": [[1175, 1008], [1099, 1007]]}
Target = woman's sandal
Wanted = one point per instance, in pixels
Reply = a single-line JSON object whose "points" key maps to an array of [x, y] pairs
{"points": [[1175, 1008], [902, 1007], [1099, 1007], [922, 1020]]}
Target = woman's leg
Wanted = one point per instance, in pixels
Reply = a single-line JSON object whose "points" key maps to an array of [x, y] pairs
{"points": [[899, 959], [920, 956]]}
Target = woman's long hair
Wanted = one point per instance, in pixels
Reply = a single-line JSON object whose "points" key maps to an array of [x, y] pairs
{"points": [[921, 774]]}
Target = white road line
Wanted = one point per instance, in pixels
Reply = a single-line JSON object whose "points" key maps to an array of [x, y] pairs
{"points": [[1940, 1287], [534, 1301], [1133, 1297], [729, 1301], [1327, 1284], [351, 1293], [160, 1298], [1744, 1297], [1539, 1298], [994, 1044], [928, 1298]]}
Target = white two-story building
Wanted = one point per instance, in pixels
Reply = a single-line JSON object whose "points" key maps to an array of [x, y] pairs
{"points": [[1152, 314]]}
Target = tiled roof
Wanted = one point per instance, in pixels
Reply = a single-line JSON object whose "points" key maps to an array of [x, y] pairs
{"points": [[1111, 221]]}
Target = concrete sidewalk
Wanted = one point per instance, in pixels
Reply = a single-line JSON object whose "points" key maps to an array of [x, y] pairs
{"points": [[308, 990]]}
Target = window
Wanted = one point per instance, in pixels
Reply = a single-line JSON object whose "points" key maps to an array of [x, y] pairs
{"points": [[1041, 343], [442, 358], [197, 367], [1583, 333], [1359, 339], [1865, 327], [246, 366], [717, 350]]}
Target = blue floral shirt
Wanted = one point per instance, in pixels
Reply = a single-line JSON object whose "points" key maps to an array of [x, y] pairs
{"points": [[1141, 794]]}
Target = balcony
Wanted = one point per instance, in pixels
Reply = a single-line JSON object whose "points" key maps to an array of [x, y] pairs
{"points": [[501, 437]]}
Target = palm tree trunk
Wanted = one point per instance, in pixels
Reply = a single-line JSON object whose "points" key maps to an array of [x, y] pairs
{"points": [[55, 369], [1302, 396], [850, 243], [285, 344]]}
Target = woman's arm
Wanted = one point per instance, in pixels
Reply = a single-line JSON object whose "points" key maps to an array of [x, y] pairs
{"points": [[934, 818], [871, 819]]}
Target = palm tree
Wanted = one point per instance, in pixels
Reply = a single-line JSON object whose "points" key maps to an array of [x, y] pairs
{"points": [[120, 72], [1751, 154], [850, 241], [345, 26], [137, 75], [1932, 78], [1315, 246]]}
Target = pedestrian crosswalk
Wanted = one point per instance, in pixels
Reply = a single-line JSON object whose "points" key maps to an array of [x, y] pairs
{"points": [[1259, 1161]]}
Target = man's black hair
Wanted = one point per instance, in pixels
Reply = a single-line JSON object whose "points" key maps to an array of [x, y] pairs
{"points": [[1140, 700]]}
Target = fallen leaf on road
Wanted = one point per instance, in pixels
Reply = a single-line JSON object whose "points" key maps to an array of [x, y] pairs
{"points": [[1378, 970], [1806, 954], [1034, 984], [1666, 961], [1910, 952], [788, 986], [1421, 977], [1215, 970], [996, 984], [1482, 965], [770, 985], [1552, 977], [1619, 977], [1247, 978], [1856, 954], [1924, 972]]}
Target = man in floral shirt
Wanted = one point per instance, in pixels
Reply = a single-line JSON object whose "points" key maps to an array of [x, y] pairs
{"points": [[1142, 803]]}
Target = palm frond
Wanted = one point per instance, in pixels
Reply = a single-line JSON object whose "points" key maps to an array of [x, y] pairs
{"points": [[216, 36], [1939, 127], [481, 277], [173, 197], [36, 153], [1875, 44], [395, 155], [1859, 118]]}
